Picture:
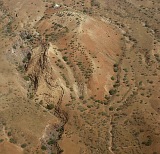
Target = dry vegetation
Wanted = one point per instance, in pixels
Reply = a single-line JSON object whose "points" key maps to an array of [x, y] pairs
{"points": [[80, 77]]}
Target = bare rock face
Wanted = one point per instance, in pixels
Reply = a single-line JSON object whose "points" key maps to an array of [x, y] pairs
{"points": [[79, 77]]}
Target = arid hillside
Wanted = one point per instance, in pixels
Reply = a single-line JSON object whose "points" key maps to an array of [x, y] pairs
{"points": [[79, 77]]}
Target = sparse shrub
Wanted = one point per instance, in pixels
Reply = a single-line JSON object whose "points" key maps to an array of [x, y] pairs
{"points": [[1, 140], [149, 142], [65, 58], [61, 151], [81, 108], [111, 108], [28, 37], [23, 145], [50, 106], [81, 97], [140, 83], [43, 147], [21, 68], [25, 60], [9, 134], [89, 106], [26, 78], [112, 78], [112, 91], [12, 140], [95, 3], [125, 70], [51, 141], [41, 102], [115, 67], [105, 103]]}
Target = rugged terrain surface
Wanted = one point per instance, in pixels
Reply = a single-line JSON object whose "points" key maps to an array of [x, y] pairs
{"points": [[79, 77]]}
